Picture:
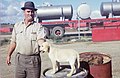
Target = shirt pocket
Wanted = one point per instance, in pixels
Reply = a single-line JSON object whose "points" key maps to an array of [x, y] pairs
{"points": [[19, 35], [33, 36]]}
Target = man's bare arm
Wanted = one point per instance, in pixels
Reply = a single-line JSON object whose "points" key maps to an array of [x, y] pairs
{"points": [[10, 51]]}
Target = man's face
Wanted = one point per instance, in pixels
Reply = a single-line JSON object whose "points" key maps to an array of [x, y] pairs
{"points": [[29, 14]]}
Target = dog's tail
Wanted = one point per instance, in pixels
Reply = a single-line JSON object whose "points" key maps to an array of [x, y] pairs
{"points": [[78, 60]]}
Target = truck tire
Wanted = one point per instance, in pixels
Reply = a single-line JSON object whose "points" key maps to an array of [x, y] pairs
{"points": [[47, 32], [58, 32]]}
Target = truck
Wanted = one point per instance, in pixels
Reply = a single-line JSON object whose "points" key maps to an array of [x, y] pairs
{"points": [[57, 19]]}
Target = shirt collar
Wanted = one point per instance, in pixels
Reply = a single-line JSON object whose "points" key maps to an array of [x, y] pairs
{"points": [[23, 22]]}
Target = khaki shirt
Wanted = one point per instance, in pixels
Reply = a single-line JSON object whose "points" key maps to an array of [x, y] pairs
{"points": [[26, 37]]}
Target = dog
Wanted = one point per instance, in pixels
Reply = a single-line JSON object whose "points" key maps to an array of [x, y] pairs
{"points": [[58, 55]]}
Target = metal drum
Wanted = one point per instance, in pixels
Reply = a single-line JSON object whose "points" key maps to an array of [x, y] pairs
{"points": [[62, 73], [97, 69], [55, 12]]}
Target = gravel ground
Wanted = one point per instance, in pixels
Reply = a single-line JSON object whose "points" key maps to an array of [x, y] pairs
{"points": [[112, 48]]}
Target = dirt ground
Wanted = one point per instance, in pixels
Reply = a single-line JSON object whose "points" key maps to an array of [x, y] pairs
{"points": [[111, 47]]}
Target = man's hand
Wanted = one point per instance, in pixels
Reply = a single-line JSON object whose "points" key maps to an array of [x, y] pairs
{"points": [[40, 41], [10, 51], [8, 60]]}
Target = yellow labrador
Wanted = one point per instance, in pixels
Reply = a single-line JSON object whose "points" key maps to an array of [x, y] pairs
{"points": [[61, 55]]}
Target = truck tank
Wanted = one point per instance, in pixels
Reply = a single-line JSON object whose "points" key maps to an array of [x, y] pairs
{"points": [[84, 11], [110, 7], [55, 12]]}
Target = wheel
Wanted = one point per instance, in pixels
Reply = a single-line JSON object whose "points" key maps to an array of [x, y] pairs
{"points": [[47, 32], [58, 32]]}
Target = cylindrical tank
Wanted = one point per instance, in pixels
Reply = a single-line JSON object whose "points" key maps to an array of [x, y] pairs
{"points": [[110, 7], [55, 12], [84, 11]]}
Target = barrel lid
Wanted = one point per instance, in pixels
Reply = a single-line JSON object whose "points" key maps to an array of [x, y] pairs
{"points": [[81, 73]]}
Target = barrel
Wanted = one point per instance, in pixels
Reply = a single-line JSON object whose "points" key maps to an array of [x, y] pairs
{"points": [[102, 70]]}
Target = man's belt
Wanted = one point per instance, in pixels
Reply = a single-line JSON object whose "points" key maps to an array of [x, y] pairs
{"points": [[29, 55]]}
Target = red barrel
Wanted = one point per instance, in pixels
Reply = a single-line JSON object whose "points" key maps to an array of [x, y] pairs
{"points": [[103, 70]]}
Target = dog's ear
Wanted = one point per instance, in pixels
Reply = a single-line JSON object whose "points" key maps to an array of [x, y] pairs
{"points": [[49, 44]]}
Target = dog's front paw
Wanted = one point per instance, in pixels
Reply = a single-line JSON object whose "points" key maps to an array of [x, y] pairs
{"points": [[75, 71], [69, 75], [53, 72]]}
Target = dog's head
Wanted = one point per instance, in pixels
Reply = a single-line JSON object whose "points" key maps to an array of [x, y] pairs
{"points": [[45, 47]]}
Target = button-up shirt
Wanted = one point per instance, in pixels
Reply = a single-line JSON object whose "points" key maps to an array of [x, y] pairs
{"points": [[26, 37]]}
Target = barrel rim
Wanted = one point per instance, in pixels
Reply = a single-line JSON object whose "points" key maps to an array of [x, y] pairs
{"points": [[103, 54]]}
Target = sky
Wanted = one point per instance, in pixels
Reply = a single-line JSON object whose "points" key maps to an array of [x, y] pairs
{"points": [[10, 10]]}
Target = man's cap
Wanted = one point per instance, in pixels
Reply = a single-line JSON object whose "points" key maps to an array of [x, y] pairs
{"points": [[29, 5]]}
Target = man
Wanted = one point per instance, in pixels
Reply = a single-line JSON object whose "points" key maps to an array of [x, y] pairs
{"points": [[27, 36]]}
